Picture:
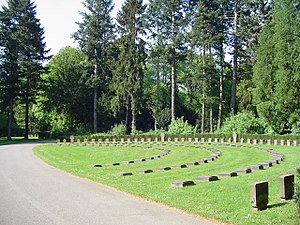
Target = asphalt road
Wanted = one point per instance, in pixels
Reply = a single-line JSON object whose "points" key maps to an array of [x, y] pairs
{"points": [[34, 193]]}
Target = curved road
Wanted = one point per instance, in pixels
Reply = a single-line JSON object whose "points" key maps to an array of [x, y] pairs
{"points": [[34, 193]]}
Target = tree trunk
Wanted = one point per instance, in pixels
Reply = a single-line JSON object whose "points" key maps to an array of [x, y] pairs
{"points": [[203, 92], [173, 87], [10, 119], [157, 97], [95, 99], [127, 116], [234, 74], [173, 72], [95, 117], [133, 114], [211, 119], [26, 133], [220, 111]]}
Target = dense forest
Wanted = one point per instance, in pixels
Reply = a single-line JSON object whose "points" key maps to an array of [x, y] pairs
{"points": [[206, 65]]}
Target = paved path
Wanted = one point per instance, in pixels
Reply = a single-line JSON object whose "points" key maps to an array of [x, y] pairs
{"points": [[34, 193]]}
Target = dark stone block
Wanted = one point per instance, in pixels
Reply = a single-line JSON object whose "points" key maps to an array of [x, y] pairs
{"points": [[182, 183], [129, 162], [145, 171], [97, 165], [275, 161], [256, 167], [164, 168], [115, 164], [179, 166], [228, 174], [208, 178], [125, 174], [266, 164], [202, 161], [260, 195], [247, 170], [192, 163], [287, 186]]}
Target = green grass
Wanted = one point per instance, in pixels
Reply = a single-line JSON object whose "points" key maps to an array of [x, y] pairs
{"points": [[16, 140], [227, 200]]}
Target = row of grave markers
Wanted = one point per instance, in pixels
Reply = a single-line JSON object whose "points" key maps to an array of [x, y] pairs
{"points": [[260, 191], [163, 138]]}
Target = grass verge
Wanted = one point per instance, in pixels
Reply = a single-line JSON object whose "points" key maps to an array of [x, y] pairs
{"points": [[227, 200]]}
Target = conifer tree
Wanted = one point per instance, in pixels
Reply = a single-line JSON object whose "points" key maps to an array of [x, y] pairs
{"points": [[95, 35], [24, 43], [170, 17], [207, 41], [276, 71], [128, 74]]}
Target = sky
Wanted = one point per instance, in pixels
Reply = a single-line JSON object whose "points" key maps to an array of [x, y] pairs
{"points": [[58, 19]]}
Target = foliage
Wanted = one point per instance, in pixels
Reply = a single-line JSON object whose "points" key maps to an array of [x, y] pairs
{"points": [[276, 71], [95, 36], [22, 39], [118, 129], [297, 189], [179, 126], [63, 105], [163, 118], [243, 123], [127, 81]]}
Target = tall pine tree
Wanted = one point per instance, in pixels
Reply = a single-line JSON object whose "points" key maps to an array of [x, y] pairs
{"points": [[128, 73], [24, 42], [95, 35], [169, 21]]}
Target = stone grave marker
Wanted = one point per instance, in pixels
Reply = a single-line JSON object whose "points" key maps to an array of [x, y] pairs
{"points": [[162, 137], [164, 168], [260, 195], [145, 171], [287, 186], [182, 183], [208, 178], [228, 174], [125, 174]]}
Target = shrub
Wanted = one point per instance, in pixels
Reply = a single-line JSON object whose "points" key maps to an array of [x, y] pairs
{"points": [[297, 190], [118, 130], [244, 123], [179, 126]]}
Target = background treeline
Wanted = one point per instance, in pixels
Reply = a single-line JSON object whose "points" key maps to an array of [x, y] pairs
{"points": [[180, 65]]}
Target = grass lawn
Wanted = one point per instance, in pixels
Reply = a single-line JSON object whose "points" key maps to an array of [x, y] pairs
{"points": [[16, 140], [227, 200]]}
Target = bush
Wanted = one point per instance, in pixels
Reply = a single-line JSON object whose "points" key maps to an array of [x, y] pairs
{"points": [[297, 190], [118, 130], [179, 126], [244, 123]]}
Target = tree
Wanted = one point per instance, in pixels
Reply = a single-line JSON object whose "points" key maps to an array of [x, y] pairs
{"points": [[276, 72], [9, 77], [95, 35], [207, 54], [24, 43], [65, 89], [128, 74], [168, 20], [246, 18]]}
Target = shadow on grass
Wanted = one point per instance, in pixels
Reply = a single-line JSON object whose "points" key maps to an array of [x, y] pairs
{"points": [[3, 141], [277, 205]]}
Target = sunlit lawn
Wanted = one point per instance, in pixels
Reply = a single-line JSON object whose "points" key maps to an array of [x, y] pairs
{"points": [[16, 140], [227, 200]]}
